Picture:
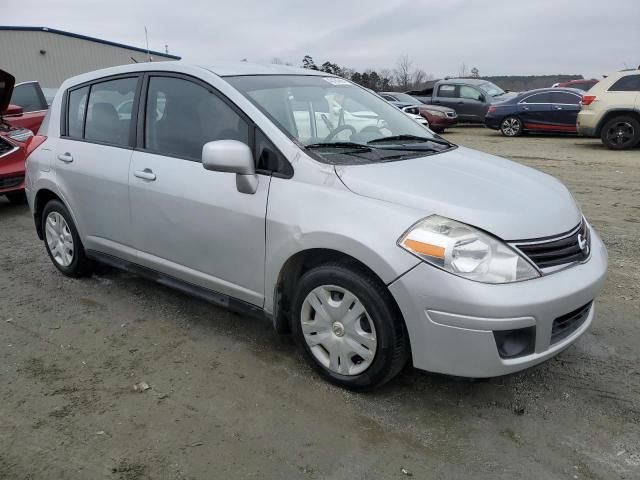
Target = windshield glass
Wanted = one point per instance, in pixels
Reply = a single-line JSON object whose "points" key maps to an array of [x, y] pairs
{"points": [[492, 90], [406, 98], [326, 110]]}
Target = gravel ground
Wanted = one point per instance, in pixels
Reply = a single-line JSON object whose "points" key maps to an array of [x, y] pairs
{"points": [[229, 398]]}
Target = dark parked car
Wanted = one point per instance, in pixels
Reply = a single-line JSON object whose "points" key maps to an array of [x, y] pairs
{"points": [[438, 117], [469, 97], [543, 110]]}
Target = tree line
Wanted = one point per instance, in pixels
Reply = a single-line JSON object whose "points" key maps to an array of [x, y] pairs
{"points": [[404, 76]]}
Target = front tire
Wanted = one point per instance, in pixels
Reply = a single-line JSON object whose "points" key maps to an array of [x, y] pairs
{"points": [[349, 327], [511, 127], [621, 133], [62, 241]]}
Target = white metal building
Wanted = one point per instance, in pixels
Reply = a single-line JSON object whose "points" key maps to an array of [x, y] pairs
{"points": [[51, 56]]}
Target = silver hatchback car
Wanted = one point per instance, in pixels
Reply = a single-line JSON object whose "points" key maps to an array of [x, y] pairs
{"points": [[304, 198]]}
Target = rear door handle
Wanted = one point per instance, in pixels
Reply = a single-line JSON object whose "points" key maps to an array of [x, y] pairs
{"points": [[65, 157], [146, 174], [557, 107]]}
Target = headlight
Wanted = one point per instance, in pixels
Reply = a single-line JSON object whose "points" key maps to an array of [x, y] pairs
{"points": [[465, 251], [436, 113]]}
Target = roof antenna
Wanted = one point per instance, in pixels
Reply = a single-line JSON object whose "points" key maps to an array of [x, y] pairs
{"points": [[146, 36]]}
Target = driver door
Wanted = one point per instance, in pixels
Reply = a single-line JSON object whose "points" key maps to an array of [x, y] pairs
{"points": [[190, 223]]}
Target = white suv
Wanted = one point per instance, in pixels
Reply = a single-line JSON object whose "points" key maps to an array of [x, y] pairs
{"points": [[611, 110]]}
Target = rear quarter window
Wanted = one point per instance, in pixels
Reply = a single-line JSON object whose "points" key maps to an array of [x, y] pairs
{"points": [[630, 83]]}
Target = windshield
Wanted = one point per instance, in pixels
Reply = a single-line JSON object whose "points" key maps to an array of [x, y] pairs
{"points": [[492, 90], [326, 110], [406, 98]]}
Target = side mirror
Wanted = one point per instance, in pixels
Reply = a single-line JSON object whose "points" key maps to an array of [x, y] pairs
{"points": [[232, 156], [13, 110]]}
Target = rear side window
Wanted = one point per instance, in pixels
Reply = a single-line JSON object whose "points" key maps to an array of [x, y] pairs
{"points": [[103, 123], [181, 116], [28, 96], [447, 91], [76, 111], [630, 83], [565, 98]]}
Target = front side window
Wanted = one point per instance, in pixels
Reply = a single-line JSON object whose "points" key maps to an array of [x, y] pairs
{"points": [[181, 116], [76, 110], [538, 98], [103, 124], [469, 93], [447, 91], [630, 83], [27, 96], [491, 89]]}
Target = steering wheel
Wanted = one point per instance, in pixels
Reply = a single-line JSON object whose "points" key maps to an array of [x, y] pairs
{"points": [[339, 129]]}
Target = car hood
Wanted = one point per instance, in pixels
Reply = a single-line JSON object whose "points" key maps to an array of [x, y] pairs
{"points": [[503, 98], [7, 81], [502, 197]]}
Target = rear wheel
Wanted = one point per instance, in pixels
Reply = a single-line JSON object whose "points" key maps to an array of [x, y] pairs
{"points": [[17, 198], [62, 241], [511, 127], [621, 133], [349, 327]]}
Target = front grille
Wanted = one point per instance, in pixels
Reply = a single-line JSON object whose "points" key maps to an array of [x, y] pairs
{"points": [[567, 324], [9, 182], [568, 248]]}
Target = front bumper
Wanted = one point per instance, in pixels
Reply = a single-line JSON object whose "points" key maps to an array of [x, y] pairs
{"points": [[451, 320]]}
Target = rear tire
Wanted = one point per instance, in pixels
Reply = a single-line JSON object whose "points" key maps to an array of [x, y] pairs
{"points": [[621, 133], [342, 313], [511, 127], [62, 241], [17, 198]]}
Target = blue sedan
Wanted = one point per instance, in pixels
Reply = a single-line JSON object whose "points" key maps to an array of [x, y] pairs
{"points": [[549, 110]]}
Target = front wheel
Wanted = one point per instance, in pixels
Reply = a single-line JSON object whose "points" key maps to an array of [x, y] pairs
{"points": [[350, 329], [621, 133], [511, 127]]}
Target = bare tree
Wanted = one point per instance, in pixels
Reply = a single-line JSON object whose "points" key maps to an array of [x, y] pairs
{"points": [[463, 72], [276, 61], [403, 72]]}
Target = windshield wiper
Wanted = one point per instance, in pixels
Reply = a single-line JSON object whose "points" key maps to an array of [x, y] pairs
{"points": [[347, 145], [413, 138]]}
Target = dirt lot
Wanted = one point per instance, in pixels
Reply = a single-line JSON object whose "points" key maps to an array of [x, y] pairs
{"points": [[230, 399]]}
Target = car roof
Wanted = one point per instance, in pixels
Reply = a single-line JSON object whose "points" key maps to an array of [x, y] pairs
{"points": [[553, 89], [465, 81], [222, 69]]}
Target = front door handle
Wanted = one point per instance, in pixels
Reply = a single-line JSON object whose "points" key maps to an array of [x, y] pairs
{"points": [[557, 107], [146, 174], [65, 157]]}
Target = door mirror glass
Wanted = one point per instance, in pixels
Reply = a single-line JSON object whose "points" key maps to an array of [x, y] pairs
{"points": [[232, 156]]}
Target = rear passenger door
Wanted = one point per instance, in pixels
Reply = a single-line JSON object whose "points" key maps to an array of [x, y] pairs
{"points": [[448, 95], [91, 161], [535, 110], [190, 223]]}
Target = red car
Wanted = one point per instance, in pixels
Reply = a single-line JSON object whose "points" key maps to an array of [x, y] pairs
{"points": [[439, 117], [579, 84], [16, 130]]}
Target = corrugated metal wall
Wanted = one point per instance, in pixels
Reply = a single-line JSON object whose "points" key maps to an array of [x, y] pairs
{"points": [[65, 56]]}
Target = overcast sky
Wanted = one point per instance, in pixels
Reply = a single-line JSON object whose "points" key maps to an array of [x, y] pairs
{"points": [[588, 37]]}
